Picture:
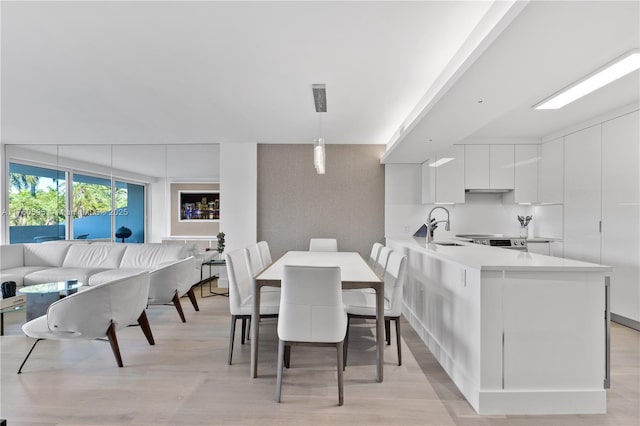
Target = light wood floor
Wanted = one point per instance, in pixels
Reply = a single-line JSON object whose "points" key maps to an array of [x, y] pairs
{"points": [[185, 380]]}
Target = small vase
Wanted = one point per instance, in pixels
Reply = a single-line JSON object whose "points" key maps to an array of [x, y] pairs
{"points": [[524, 231]]}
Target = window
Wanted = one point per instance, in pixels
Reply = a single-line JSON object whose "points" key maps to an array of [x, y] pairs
{"points": [[99, 206], [37, 200]]}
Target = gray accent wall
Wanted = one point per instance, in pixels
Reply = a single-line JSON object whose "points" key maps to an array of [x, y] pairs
{"points": [[296, 204]]}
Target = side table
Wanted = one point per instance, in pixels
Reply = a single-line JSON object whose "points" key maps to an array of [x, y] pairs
{"points": [[218, 263]]}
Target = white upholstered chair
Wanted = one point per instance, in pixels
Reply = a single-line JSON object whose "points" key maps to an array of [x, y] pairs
{"points": [[363, 304], [265, 253], [375, 252], [94, 313], [381, 263], [323, 244], [241, 295], [311, 313]]}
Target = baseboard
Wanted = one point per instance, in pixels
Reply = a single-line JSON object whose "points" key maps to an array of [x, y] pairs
{"points": [[627, 322]]}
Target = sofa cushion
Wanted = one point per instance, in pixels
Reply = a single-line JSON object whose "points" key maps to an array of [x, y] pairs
{"points": [[147, 256], [18, 274], [11, 256], [113, 274], [94, 256], [44, 254], [61, 274]]}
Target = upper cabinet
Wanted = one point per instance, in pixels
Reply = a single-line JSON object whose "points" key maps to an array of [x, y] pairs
{"points": [[501, 167], [552, 172], [527, 158], [443, 177], [488, 166]]}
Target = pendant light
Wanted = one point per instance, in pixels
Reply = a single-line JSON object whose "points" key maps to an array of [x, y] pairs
{"points": [[320, 101]]}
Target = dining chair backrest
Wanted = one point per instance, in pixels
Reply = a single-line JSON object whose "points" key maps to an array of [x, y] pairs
{"points": [[375, 251], [394, 277], [252, 260], [265, 253], [311, 308], [381, 263], [323, 244], [239, 280]]}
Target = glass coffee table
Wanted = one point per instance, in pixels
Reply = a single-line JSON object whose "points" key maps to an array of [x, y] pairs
{"points": [[40, 296], [17, 305]]}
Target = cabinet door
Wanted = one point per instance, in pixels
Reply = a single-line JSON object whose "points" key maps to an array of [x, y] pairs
{"points": [[539, 248], [551, 172], [620, 211], [476, 166], [582, 194], [526, 173], [428, 175], [501, 167], [450, 176]]}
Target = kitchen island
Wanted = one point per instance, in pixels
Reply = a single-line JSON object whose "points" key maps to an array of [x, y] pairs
{"points": [[518, 333]]}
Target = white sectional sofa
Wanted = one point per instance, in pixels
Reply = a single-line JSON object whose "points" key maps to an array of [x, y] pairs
{"points": [[173, 268]]}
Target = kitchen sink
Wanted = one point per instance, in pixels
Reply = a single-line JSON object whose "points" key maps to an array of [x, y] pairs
{"points": [[448, 243]]}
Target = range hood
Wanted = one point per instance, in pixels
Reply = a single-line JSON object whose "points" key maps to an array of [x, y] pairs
{"points": [[488, 191]]}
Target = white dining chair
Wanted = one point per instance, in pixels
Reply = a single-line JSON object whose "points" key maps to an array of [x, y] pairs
{"points": [[95, 313], [381, 263], [265, 253], [241, 295], [311, 313], [323, 244], [363, 304], [375, 252]]}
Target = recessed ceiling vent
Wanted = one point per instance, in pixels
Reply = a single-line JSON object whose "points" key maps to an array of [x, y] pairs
{"points": [[320, 97]]}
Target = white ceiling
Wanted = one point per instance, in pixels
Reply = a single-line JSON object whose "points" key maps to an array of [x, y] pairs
{"points": [[90, 72], [548, 46], [193, 72]]}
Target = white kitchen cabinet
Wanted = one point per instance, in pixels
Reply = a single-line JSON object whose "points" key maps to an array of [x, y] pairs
{"points": [[446, 181], [428, 175], [582, 194], [527, 158], [621, 211], [551, 172], [541, 247], [476, 166], [501, 167], [488, 166]]}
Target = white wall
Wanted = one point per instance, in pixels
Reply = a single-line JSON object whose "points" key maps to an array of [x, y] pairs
{"points": [[481, 213], [238, 194]]}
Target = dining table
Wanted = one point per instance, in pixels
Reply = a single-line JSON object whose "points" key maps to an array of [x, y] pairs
{"points": [[355, 273]]}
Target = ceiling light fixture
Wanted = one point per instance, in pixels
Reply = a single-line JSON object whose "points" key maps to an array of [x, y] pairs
{"points": [[320, 101], [620, 67]]}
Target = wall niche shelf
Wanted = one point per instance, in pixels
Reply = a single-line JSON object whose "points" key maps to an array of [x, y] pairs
{"points": [[198, 206]]}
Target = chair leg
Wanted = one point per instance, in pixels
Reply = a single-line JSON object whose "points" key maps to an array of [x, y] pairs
{"points": [[340, 353], [346, 345], [146, 328], [387, 331], [28, 355], [244, 330], [113, 341], [249, 328], [178, 305], [192, 298], [287, 356], [281, 348], [398, 341], [232, 335]]}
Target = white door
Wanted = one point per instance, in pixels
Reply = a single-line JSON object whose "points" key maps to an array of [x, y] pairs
{"points": [[621, 211], [582, 194]]}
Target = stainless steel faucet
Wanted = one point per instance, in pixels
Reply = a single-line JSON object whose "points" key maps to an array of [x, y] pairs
{"points": [[447, 226]]}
